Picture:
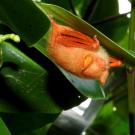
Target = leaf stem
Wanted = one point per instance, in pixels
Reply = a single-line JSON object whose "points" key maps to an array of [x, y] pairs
{"points": [[131, 74], [90, 10], [109, 18], [72, 7], [13, 37]]}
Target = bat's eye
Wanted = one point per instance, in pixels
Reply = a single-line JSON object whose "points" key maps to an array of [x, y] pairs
{"points": [[87, 61]]}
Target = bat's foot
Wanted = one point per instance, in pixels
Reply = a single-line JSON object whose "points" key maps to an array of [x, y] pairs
{"points": [[115, 62]]}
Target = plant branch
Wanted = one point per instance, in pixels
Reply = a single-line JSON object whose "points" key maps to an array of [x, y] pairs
{"points": [[90, 10], [110, 18], [72, 7], [131, 74]]}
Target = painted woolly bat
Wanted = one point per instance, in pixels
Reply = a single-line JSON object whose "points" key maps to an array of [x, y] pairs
{"points": [[80, 54]]}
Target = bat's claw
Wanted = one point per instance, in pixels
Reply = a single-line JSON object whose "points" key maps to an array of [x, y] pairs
{"points": [[115, 62], [96, 44]]}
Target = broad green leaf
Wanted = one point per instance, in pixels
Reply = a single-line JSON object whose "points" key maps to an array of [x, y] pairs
{"points": [[119, 31], [89, 88], [68, 19], [24, 18], [35, 88], [111, 10], [115, 26], [71, 20], [23, 123], [111, 23], [24, 81], [3, 128]]}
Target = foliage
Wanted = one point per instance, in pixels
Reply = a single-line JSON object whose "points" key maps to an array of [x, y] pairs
{"points": [[31, 83]]}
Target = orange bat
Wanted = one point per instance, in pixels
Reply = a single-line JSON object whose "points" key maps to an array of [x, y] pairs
{"points": [[80, 54]]}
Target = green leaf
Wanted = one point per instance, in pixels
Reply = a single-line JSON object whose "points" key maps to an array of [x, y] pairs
{"points": [[19, 123], [24, 81], [24, 18], [85, 88], [111, 23], [89, 88], [119, 31], [3, 128], [66, 18], [111, 10], [33, 87]]}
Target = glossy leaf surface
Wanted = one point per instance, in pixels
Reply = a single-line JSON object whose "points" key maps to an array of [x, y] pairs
{"points": [[31, 24], [25, 81], [66, 18]]}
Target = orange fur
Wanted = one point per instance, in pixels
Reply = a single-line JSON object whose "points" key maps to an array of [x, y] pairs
{"points": [[78, 53]]}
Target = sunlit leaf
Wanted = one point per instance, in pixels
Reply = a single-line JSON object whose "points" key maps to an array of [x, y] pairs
{"points": [[69, 19]]}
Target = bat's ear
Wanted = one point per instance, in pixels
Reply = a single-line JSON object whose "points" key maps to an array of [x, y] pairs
{"points": [[87, 61]]}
